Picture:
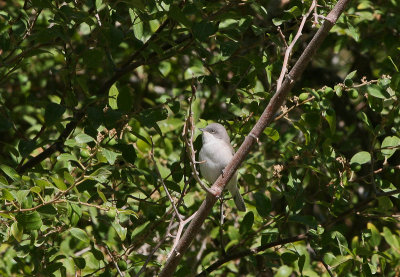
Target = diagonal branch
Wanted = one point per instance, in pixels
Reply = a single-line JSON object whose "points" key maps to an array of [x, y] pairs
{"points": [[265, 119], [55, 146]]}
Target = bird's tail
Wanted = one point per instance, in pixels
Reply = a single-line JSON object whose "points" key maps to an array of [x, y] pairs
{"points": [[237, 197]]}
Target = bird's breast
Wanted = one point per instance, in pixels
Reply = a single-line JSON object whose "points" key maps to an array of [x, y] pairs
{"points": [[213, 158]]}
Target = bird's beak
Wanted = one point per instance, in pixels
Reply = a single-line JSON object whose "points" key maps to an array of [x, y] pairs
{"points": [[202, 129]]}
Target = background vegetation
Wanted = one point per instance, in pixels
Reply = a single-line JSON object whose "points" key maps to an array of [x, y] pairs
{"points": [[94, 96]]}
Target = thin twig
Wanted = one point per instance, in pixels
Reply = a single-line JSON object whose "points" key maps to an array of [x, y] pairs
{"points": [[162, 182], [188, 139], [282, 36], [292, 107], [56, 199], [289, 49], [179, 234], [114, 261], [148, 259], [249, 252]]}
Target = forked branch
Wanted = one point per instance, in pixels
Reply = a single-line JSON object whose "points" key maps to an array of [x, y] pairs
{"points": [[265, 119]]}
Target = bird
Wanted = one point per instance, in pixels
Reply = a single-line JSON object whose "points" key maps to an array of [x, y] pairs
{"points": [[215, 155]]}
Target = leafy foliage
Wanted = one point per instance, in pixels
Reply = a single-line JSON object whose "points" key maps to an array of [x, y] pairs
{"points": [[91, 91]]}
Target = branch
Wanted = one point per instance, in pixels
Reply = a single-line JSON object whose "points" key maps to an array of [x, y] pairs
{"points": [[55, 146], [289, 49], [167, 233], [248, 252], [265, 119], [360, 207], [188, 139], [114, 261], [162, 182]]}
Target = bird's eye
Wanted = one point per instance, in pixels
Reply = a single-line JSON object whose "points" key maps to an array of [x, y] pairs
{"points": [[213, 131]]}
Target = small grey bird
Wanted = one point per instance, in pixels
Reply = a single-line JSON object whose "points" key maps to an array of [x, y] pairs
{"points": [[215, 155]]}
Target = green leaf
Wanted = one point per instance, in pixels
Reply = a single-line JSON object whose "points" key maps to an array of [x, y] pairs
{"points": [[139, 230], [177, 172], [59, 183], [128, 152], [284, 271], [74, 213], [330, 117], [41, 3], [125, 100], [312, 119], [21, 195], [233, 233], [263, 204], [202, 30], [53, 267], [68, 177], [150, 117], [228, 48], [361, 158], [83, 138], [138, 29], [351, 75], [341, 241], [121, 231], [10, 172], [391, 239], [80, 262], [385, 204], [100, 175], [176, 13], [307, 220], [112, 97], [53, 113], [247, 223], [36, 189], [3, 181], [43, 183], [365, 119], [6, 195], [66, 157], [101, 195], [110, 155], [353, 32], [278, 21], [17, 231], [377, 91], [25, 147], [93, 58], [47, 211], [272, 133], [172, 186], [375, 239], [338, 90], [80, 235], [289, 257], [391, 144], [301, 262], [29, 220]]}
